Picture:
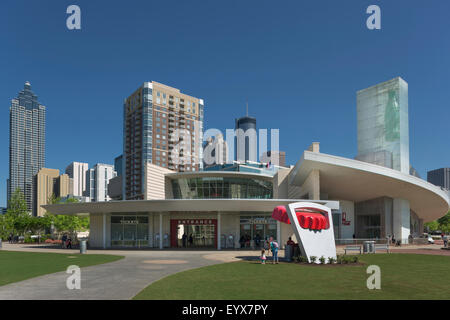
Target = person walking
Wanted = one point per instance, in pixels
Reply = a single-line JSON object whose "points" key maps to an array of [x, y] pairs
{"points": [[184, 240], [63, 240], [274, 249], [445, 238], [69, 243]]}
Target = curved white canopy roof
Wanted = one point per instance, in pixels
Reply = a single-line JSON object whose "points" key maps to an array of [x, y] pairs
{"points": [[348, 179]]}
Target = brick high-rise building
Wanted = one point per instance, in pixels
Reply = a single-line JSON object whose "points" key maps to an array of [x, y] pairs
{"points": [[162, 126]]}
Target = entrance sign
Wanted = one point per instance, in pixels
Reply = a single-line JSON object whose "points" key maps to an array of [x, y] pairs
{"points": [[313, 227]]}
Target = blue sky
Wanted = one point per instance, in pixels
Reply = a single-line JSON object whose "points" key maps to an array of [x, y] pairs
{"points": [[298, 63]]}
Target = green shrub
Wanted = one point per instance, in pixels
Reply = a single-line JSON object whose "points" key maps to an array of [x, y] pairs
{"points": [[28, 239], [355, 259], [322, 260], [339, 259], [331, 260], [313, 259], [302, 259]]}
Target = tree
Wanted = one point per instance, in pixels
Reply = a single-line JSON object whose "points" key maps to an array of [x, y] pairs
{"points": [[444, 223], [441, 224], [432, 226], [17, 205], [18, 212], [6, 225], [67, 223]]}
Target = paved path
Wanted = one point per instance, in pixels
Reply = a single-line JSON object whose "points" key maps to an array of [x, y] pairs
{"points": [[121, 279]]}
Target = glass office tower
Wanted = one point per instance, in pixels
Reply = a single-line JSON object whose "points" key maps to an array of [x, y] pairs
{"points": [[383, 133], [26, 143], [246, 140]]}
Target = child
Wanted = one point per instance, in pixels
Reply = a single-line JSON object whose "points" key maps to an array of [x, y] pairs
{"points": [[263, 256]]}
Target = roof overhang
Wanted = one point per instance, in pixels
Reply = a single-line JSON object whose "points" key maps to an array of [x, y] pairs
{"points": [[348, 179], [176, 205]]}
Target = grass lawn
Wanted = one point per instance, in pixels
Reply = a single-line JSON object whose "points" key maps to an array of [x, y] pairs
{"points": [[16, 266], [403, 276]]}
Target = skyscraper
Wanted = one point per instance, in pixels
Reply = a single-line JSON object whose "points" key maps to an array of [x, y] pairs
{"points": [[77, 172], [26, 143], [440, 177], [246, 139], [118, 164], [48, 183], [162, 126], [383, 132], [277, 158], [97, 179]]}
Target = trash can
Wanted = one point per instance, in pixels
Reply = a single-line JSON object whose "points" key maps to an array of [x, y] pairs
{"points": [[83, 246], [369, 246], [288, 250]]}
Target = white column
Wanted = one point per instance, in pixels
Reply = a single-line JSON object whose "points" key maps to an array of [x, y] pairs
{"points": [[279, 234], [150, 236], [218, 231], [104, 230], [401, 223], [160, 231]]}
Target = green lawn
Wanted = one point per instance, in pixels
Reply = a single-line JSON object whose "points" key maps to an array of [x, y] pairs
{"points": [[16, 266], [403, 276]]}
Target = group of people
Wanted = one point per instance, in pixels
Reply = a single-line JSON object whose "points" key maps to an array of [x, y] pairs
{"points": [[66, 242], [185, 239], [272, 246], [13, 239], [245, 240]]}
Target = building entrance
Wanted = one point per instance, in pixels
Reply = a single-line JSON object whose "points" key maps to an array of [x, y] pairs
{"points": [[256, 229], [193, 233]]}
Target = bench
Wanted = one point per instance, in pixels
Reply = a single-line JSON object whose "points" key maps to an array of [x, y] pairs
{"points": [[352, 248], [382, 247]]}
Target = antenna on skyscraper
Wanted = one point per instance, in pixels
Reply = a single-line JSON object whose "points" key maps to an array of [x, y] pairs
{"points": [[246, 114]]}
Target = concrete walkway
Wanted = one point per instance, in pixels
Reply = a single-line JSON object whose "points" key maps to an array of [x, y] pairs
{"points": [[121, 279]]}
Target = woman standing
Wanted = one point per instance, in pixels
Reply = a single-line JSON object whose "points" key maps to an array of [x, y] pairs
{"points": [[274, 249]]}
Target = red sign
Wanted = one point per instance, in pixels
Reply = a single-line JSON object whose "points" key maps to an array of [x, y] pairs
{"points": [[345, 222], [308, 218]]}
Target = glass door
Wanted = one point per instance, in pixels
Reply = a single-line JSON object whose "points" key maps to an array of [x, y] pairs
{"points": [[129, 231]]}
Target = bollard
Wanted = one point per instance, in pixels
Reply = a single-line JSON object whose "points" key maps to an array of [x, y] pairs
{"points": [[0, 243], [288, 250], [83, 246]]}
